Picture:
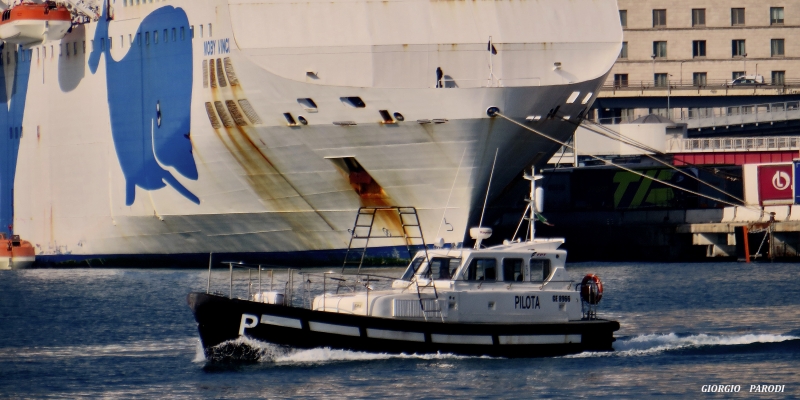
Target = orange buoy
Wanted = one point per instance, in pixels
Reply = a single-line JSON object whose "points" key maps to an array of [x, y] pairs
{"points": [[591, 289]]}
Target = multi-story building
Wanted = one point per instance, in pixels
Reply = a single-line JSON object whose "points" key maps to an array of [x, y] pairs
{"points": [[701, 42], [695, 48]]}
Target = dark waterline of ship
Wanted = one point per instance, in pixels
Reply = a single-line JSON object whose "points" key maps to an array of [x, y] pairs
{"points": [[128, 333]]}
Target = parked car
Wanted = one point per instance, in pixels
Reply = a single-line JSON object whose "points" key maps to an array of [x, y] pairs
{"points": [[748, 80]]}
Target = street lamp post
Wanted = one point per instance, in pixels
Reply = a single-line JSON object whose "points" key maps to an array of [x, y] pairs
{"points": [[669, 114], [653, 56], [744, 57]]}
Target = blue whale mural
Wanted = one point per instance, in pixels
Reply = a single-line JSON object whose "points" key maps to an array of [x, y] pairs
{"points": [[12, 110], [149, 98]]}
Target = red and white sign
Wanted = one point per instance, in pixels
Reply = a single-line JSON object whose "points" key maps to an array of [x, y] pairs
{"points": [[775, 184]]}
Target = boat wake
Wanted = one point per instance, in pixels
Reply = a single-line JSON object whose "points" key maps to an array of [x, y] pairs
{"points": [[137, 349], [644, 345], [247, 349]]}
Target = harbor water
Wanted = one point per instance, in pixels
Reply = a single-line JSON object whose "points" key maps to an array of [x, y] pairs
{"points": [[128, 333]]}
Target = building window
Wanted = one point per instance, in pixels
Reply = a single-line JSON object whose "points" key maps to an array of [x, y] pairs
{"points": [[662, 112], [777, 48], [699, 17], [620, 80], [778, 77], [776, 16], [737, 16], [737, 74], [660, 80], [738, 48], [624, 52], [627, 114], [660, 49], [659, 18], [700, 78], [698, 48], [623, 18]]}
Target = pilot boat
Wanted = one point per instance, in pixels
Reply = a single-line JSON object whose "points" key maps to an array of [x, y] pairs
{"points": [[30, 24], [509, 300]]}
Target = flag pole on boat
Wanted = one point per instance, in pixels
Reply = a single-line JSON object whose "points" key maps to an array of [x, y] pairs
{"points": [[480, 232]]}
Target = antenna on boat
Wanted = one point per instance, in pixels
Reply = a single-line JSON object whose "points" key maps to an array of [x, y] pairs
{"points": [[535, 201], [480, 233]]}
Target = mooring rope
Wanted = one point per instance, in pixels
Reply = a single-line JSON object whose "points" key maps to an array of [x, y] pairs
{"points": [[619, 137], [499, 114]]}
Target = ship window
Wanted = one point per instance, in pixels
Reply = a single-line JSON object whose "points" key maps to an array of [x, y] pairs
{"points": [[540, 269], [290, 119], [587, 98], [166, 36], [443, 268], [110, 44], [308, 104], [174, 35], [387, 118], [155, 37], [75, 48], [481, 269], [353, 102], [139, 38], [147, 38], [512, 270], [209, 31], [191, 31], [302, 120], [183, 33], [573, 97], [201, 30], [399, 117]]}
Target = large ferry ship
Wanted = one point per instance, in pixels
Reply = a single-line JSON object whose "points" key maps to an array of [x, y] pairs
{"points": [[176, 128]]}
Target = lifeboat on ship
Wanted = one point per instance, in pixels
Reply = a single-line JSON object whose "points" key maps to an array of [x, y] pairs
{"points": [[29, 24], [15, 253]]}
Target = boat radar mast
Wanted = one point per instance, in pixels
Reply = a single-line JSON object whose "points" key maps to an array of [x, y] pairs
{"points": [[535, 202]]}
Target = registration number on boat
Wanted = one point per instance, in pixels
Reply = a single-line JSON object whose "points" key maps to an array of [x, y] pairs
{"points": [[561, 299]]}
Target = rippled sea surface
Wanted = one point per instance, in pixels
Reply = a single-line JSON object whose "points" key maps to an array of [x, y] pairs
{"points": [[126, 333]]}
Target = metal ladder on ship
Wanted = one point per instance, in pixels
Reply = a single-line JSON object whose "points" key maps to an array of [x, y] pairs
{"points": [[411, 231]]}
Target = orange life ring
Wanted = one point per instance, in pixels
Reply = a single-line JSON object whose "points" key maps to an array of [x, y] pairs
{"points": [[591, 289]]}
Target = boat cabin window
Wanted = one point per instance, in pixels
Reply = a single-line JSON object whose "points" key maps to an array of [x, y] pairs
{"points": [[444, 267], [540, 269], [481, 269], [412, 268], [512, 269]]}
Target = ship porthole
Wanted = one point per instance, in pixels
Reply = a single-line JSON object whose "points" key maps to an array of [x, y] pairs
{"points": [[399, 117], [302, 120]]}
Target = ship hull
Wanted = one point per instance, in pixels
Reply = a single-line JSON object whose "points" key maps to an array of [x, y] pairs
{"points": [[221, 321], [154, 134]]}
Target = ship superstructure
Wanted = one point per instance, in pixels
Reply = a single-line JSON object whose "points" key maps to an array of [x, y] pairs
{"points": [[246, 126]]}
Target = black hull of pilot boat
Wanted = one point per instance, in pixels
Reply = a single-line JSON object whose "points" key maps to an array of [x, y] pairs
{"points": [[219, 320]]}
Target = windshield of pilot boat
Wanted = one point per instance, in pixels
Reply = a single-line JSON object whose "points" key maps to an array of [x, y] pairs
{"points": [[439, 268]]}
